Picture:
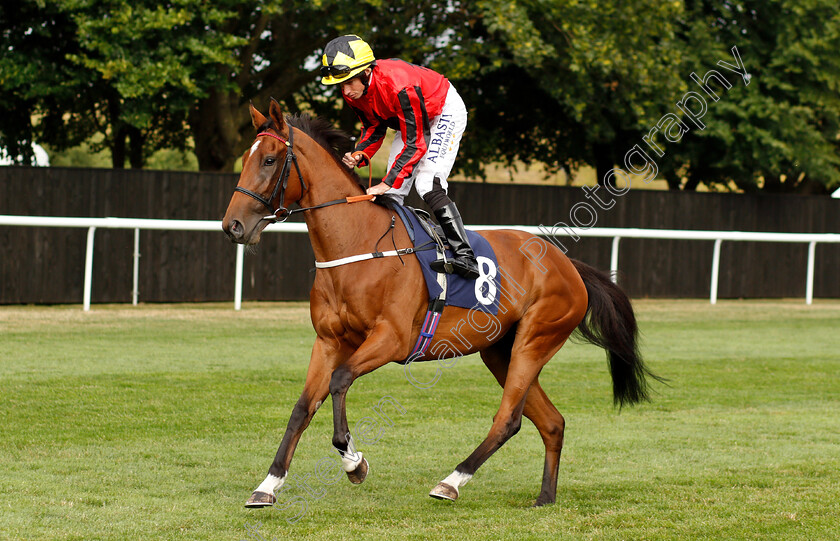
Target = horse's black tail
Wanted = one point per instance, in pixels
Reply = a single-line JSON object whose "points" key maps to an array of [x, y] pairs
{"points": [[611, 324]]}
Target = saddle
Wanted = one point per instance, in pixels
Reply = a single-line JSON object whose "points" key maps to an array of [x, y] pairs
{"points": [[430, 227]]}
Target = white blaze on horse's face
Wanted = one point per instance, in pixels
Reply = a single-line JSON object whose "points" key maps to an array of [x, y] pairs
{"points": [[243, 219]]}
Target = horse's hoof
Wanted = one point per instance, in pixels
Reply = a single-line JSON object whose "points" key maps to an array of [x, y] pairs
{"points": [[358, 475], [444, 491], [540, 502], [260, 499]]}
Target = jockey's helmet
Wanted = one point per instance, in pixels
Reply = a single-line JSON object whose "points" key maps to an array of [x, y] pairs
{"points": [[344, 58]]}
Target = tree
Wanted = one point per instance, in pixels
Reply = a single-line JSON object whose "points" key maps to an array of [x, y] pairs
{"points": [[73, 67], [157, 60], [280, 57], [581, 79], [187, 70], [550, 81], [35, 79], [780, 133]]}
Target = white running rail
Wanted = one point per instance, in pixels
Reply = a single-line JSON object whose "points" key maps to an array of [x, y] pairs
{"points": [[92, 224]]}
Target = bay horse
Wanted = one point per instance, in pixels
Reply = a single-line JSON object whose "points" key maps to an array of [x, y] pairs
{"points": [[369, 313]]}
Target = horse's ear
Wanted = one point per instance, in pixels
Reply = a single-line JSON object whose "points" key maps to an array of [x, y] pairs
{"points": [[276, 115], [257, 118]]}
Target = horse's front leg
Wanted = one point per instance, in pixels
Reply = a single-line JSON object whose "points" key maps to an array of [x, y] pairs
{"points": [[315, 390], [381, 347]]}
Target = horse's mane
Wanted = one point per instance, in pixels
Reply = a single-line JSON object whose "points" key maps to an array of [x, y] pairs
{"points": [[324, 133]]}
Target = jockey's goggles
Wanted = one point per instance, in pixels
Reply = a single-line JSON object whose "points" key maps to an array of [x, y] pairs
{"points": [[335, 71]]}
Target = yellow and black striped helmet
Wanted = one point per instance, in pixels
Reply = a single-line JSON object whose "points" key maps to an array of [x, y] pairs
{"points": [[344, 58]]}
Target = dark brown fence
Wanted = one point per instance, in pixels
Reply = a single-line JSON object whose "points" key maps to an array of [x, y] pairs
{"points": [[45, 265]]}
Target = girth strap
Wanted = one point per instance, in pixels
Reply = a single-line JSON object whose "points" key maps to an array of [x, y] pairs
{"points": [[372, 255], [433, 315]]}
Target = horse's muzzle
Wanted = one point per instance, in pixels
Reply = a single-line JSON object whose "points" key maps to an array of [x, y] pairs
{"points": [[235, 231]]}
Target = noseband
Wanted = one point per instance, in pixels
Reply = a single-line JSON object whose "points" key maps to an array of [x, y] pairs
{"points": [[282, 181]]}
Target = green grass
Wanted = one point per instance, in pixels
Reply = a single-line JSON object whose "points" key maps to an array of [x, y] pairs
{"points": [[157, 422]]}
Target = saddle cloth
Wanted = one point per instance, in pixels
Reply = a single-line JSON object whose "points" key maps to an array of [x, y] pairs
{"points": [[479, 294]]}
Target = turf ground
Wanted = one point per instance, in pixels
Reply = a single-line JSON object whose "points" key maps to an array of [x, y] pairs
{"points": [[157, 422]]}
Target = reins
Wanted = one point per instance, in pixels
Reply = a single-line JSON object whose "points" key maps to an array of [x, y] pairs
{"points": [[283, 181], [348, 199]]}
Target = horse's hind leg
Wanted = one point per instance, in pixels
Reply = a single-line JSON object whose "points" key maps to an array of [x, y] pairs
{"points": [[507, 421], [540, 410], [536, 341], [551, 425]]}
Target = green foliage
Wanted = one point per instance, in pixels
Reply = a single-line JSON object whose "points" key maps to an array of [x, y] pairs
{"points": [[35, 78], [780, 133], [567, 83], [578, 76], [549, 81], [81, 155]]}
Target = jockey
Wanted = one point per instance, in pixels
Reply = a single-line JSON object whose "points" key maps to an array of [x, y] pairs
{"points": [[429, 118]]}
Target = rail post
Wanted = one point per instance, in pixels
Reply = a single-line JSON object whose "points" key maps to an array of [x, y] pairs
{"points": [[809, 284], [135, 272], [88, 269], [715, 271], [614, 260], [237, 291]]}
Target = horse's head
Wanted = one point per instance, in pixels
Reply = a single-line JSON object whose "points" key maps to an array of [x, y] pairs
{"points": [[270, 180]]}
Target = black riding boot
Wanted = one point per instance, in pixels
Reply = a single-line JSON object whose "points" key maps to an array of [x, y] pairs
{"points": [[464, 262]]}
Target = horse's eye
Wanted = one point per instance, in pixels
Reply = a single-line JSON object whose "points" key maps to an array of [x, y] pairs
{"points": [[269, 161]]}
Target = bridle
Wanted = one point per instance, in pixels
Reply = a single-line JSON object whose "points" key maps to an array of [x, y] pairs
{"points": [[281, 213], [282, 181]]}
